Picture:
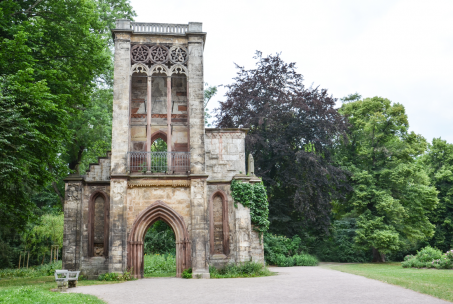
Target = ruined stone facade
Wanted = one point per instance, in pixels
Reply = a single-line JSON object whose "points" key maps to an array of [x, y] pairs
{"points": [[158, 95]]}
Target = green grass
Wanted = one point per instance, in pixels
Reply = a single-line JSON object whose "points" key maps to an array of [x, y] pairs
{"points": [[37, 290], [160, 275], [437, 283]]}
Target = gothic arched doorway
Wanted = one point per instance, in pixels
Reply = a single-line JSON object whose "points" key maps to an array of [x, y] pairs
{"points": [[157, 211]]}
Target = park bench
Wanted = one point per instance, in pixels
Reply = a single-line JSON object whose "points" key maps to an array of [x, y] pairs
{"points": [[66, 278]]}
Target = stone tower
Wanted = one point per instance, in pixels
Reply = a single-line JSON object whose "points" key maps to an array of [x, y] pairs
{"points": [[158, 97]]}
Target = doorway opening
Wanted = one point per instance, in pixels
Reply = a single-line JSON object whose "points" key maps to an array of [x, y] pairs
{"points": [[159, 249]]}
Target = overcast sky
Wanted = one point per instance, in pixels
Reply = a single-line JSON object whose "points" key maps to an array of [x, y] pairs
{"points": [[401, 50]]}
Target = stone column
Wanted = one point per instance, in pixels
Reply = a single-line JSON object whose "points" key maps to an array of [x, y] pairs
{"points": [[199, 206], [120, 140], [72, 223], [148, 122], [169, 158], [196, 108]]}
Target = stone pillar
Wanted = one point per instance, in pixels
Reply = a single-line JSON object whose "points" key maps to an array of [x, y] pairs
{"points": [[120, 143], [196, 108], [72, 232], [199, 222], [148, 122], [199, 207], [121, 93]]}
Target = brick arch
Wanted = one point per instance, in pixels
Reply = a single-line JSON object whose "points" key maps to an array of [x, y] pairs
{"points": [[159, 134], [225, 226], [157, 211], [93, 197]]}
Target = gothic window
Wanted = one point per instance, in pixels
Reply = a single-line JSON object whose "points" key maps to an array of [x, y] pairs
{"points": [[219, 234], [98, 225]]}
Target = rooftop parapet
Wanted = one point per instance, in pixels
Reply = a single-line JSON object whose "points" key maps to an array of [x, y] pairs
{"points": [[158, 28]]}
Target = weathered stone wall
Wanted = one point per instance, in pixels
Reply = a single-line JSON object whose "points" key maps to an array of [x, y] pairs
{"points": [[72, 223], [139, 198], [99, 171], [225, 153]]}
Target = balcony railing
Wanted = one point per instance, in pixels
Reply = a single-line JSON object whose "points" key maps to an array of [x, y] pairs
{"points": [[158, 162], [161, 28]]}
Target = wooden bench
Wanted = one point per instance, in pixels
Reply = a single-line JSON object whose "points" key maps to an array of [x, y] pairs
{"points": [[66, 278]]}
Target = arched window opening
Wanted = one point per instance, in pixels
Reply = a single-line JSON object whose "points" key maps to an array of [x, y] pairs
{"points": [[159, 145], [219, 231], [98, 225]]}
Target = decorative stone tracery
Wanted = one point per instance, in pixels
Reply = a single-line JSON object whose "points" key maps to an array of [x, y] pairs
{"points": [[178, 54], [139, 53], [158, 54]]}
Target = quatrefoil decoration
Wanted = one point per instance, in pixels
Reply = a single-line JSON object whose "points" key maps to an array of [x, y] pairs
{"points": [[158, 54], [178, 55], [139, 53]]}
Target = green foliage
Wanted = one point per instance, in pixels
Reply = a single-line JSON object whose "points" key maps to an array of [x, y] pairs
{"points": [[392, 194], [439, 163], [253, 196], [285, 252], [187, 273], [113, 276], [242, 270], [32, 295], [31, 272], [159, 263], [208, 94], [424, 258], [339, 246], [160, 239]]}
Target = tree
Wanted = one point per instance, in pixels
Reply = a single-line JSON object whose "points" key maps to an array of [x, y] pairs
{"points": [[392, 195], [293, 130], [52, 54], [208, 94], [439, 163]]}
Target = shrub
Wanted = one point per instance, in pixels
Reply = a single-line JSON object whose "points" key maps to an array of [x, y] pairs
{"points": [[305, 260], [187, 273], [31, 272], [159, 263], [426, 257], [113, 276], [247, 269]]}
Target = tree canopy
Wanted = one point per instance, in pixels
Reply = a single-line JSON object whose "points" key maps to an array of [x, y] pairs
{"points": [[292, 134], [392, 194]]}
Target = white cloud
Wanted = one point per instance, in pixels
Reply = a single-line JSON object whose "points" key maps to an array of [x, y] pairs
{"points": [[401, 50]]}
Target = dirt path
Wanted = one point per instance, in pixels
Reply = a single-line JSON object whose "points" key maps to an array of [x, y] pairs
{"points": [[292, 285]]}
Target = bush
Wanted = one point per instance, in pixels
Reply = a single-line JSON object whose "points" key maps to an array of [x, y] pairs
{"points": [[115, 277], [339, 246], [286, 252], [187, 273], [159, 263], [305, 260], [427, 257], [31, 272], [160, 238], [242, 270]]}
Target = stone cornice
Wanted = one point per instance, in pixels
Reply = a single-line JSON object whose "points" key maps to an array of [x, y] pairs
{"points": [[159, 183]]}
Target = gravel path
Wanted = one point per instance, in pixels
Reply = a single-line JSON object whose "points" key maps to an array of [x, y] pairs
{"points": [[311, 285]]}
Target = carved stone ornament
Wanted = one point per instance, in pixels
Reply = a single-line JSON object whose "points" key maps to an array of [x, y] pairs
{"points": [[158, 54], [139, 68], [118, 190], [72, 193], [178, 54], [139, 53]]}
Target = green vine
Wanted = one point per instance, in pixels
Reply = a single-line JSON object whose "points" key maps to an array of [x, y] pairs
{"points": [[253, 196]]}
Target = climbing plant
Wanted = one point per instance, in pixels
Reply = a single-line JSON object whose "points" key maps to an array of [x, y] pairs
{"points": [[253, 196]]}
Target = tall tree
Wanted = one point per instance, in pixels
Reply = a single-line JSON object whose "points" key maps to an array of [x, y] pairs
{"points": [[392, 195], [292, 133], [52, 53], [439, 163]]}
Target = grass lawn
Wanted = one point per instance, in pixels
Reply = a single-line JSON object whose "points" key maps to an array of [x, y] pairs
{"points": [[37, 290], [437, 283]]}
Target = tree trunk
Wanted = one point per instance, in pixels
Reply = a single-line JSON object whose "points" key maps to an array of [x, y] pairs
{"points": [[378, 257], [20, 255]]}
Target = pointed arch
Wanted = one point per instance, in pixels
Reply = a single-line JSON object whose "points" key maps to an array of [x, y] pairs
{"points": [[179, 69], [91, 211], [225, 226], [157, 211], [159, 134], [159, 69]]}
